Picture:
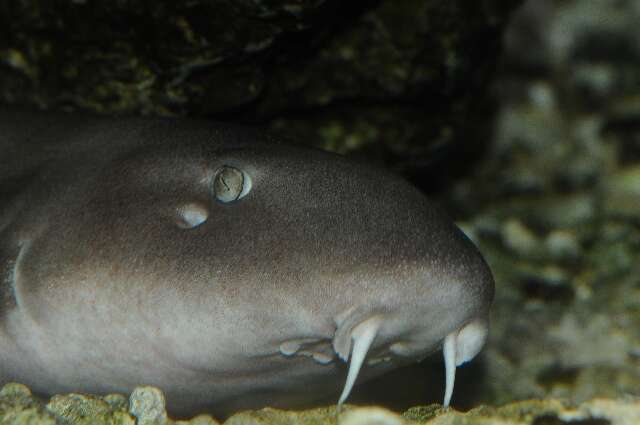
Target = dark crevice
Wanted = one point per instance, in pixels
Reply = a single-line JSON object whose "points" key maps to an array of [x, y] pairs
{"points": [[554, 420]]}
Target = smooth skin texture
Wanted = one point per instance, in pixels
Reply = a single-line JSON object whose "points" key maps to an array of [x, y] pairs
{"points": [[229, 271]]}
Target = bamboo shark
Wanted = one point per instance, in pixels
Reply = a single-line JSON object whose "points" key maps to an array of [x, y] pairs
{"points": [[229, 270]]}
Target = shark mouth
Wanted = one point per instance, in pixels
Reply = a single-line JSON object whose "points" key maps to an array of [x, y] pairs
{"points": [[458, 348]]}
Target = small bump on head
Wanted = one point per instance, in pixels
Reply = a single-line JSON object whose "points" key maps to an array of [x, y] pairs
{"points": [[191, 215]]}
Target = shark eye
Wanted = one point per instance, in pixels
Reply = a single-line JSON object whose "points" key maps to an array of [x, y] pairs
{"points": [[231, 184]]}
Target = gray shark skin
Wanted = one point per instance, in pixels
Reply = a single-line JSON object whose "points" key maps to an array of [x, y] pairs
{"points": [[230, 271]]}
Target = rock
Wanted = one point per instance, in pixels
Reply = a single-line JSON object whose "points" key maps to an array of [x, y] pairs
{"points": [[540, 412], [148, 406], [537, 412], [19, 407], [519, 239], [80, 409], [562, 245], [269, 416], [621, 193], [583, 344], [371, 416], [117, 402], [13, 390]]}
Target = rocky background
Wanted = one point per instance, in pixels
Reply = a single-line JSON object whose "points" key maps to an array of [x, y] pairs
{"points": [[528, 133], [555, 206], [388, 78]]}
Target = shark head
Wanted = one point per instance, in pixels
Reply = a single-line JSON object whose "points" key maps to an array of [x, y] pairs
{"points": [[229, 271]]}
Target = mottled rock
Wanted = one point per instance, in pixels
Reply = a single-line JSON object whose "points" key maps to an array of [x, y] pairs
{"points": [[536, 412], [520, 239], [117, 402], [559, 211], [562, 245], [147, 404], [81, 409], [269, 416], [621, 192], [560, 182], [18, 406]]}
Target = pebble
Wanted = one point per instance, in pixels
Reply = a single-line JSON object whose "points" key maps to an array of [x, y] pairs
{"points": [[147, 404], [371, 416], [80, 409], [519, 238], [621, 193], [13, 389], [567, 210], [562, 245]]}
